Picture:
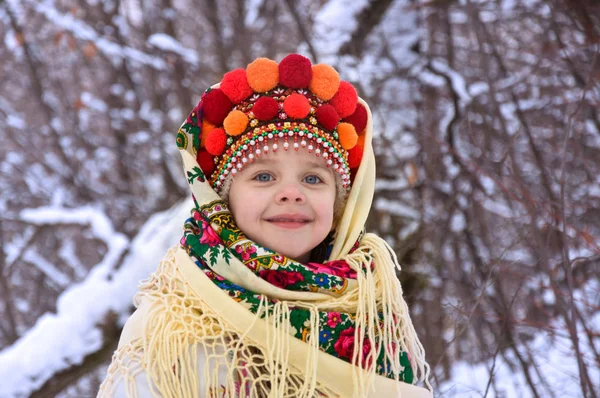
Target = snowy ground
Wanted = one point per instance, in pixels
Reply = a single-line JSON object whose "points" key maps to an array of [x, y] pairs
{"points": [[59, 340]]}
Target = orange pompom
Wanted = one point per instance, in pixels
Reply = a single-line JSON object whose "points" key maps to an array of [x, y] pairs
{"points": [[347, 135], [296, 106], [361, 140], [235, 85], [355, 156], [345, 99], [235, 123], [325, 81], [262, 74], [216, 141], [207, 127]]}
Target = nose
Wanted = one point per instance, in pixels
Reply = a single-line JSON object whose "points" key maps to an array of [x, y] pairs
{"points": [[290, 193]]}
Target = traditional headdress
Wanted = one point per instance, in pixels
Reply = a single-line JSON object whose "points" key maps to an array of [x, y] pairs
{"points": [[269, 107]]}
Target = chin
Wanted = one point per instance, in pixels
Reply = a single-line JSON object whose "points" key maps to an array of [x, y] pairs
{"points": [[282, 246], [293, 255]]}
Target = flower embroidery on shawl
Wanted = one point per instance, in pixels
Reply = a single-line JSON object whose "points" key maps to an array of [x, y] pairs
{"points": [[252, 264], [321, 280], [337, 268], [333, 318], [345, 344], [246, 250], [209, 235], [324, 336], [281, 278]]}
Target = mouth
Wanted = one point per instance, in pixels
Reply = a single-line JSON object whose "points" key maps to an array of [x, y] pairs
{"points": [[289, 220]]}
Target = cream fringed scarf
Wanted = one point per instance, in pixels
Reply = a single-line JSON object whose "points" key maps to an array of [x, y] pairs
{"points": [[193, 336]]}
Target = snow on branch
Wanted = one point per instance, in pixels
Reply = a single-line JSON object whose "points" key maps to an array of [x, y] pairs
{"points": [[50, 270], [396, 208], [169, 43], [335, 23], [83, 31], [99, 223], [459, 86], [58, 341]]}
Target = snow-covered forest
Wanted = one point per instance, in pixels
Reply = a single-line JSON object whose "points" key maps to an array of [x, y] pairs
{"points": [[487, 118]]}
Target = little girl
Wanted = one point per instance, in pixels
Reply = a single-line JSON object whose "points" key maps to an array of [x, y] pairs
{"points": [[274, 290]]}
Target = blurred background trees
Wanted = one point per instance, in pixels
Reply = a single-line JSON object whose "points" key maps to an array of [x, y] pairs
{"points": [[487, 120]]}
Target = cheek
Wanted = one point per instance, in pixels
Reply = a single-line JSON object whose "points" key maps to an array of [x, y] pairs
{"points": [[247, 209], [325, 208]]}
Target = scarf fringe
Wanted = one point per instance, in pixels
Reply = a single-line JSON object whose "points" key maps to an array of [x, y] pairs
{"points": [[179, 323], [379, 290]]}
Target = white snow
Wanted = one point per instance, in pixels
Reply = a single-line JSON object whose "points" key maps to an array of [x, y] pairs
{"points": [[554, 355], [396, 208], [335, 23], [457, 222], [169, 43], [66, 252], [59, 340], [50, 270], [82, 31], [93, 102], [396, 185]]}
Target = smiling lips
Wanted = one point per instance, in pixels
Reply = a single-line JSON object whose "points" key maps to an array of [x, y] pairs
{"points": [[290, 221]]}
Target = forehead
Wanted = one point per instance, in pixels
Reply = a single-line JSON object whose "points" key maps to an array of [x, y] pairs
{"points": [[291, 158]]}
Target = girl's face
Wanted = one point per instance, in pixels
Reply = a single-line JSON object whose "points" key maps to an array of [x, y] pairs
{"points": [[284, 201]]}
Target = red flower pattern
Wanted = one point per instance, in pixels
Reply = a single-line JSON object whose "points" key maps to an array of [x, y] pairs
{"points": [[209, 236], [246, 251], [333, 318], [337, 268], [281, 279], [344, 346]]}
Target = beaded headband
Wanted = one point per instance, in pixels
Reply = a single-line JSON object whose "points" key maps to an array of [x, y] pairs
{"points": [[269, 106]]}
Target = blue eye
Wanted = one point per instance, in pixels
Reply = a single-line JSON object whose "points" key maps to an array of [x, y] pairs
{"points": [[263, 177], [312, 179]]}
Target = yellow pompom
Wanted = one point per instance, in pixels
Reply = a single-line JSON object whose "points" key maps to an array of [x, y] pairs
{"points": [[325, 81], [235, 123], [262, 74], [347, 135]]}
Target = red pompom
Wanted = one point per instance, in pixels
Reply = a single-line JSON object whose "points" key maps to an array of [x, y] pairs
{"points": [[265, 108], [295, 71], [216, 106], [206, 162], [296, 106], [355, 156], [358, 119], [327, 116], [216, 141], [345, 99], [235, 85]]}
